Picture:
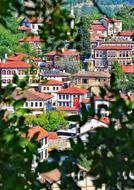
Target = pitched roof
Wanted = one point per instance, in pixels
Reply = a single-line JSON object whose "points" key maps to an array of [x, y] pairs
{"points": [[54, 82], [67, 108], [64, 51], [105, 120], [15, 64], [126, 33], [23, 28], [91, 74], [128, 68], [20, 56], [31, 39], [42, 133], [111, 20], [113, 47], [31, 95], [73, 90], [53, 136], [98, 27]]}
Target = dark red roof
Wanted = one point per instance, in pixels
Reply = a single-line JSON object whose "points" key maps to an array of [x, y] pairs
{"points": [[15, 64], [128, 68], [73, 90], [112, 20], [23, 28], [54, 82], [53, 136], [42, 133], [96, 27], [67, 108], [31, 39], [126, 33], [63, 51], [113, 47], [21, 56]]}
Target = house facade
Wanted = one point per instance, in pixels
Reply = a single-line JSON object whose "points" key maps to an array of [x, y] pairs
{"points": [[43, 140], [37, 102], [90, 78], [105, 55], [57, 59], [113, 26], [20, 68], [71, 97]]}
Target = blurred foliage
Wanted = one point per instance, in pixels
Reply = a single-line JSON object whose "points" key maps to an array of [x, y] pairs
{"points": [[50, 121]]}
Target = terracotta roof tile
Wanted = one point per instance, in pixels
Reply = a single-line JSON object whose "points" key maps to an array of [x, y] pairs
{"points": [[23, 28], [128, 68], [111, 20], [113, 47], [31, 39], [66, 52], [126, 33], [31, 95], [67, 108], [42, 133], [15, 64], [91, 74], [73, 90], [96, 27], [53, 136], [105, 120], [54, 82]]}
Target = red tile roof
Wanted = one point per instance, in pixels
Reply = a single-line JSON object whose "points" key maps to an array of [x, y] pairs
{"points": [[31, 39], [23, 28], [113, 47], [53, 136], [54, 82], [31, 95], [67, 108], [128, 68], [105, 120], [73, 90], [42, 133], [63, 51], [112, 20], [126, 33], [96, 27], [15, 64], [21, 56]]}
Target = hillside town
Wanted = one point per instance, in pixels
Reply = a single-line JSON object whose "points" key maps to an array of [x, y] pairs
{"points": [[61, 81]]}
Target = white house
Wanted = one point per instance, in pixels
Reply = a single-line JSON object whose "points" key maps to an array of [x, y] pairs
{"points": [[52, 87], [113, 26], [37, 102], [43, 139], [20, 68], [71, 97]]}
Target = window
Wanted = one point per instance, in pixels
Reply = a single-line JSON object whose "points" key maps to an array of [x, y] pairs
{"points": [[3, 72], [59, 96], [63, 103], [41, 142], [67, 96], [74, 96], [44, 88], [45, 140], [60, 104], [57, 88], [8, 72], [26, 104], [63, 96], [41, 155], [97, 54], [40, 104], [47, 88], [46, 153], [54, 88], [4, 81], [36, 104], [8, 80], [85, 81], [31, 104], [67, 104]]}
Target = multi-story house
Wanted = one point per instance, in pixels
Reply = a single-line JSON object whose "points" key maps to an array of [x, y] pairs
{"points": [[97, 31], [34, 41], [113, 26], [105, 55], [22, 56], [51, 87], [90, 78], [21, 68], [56, 75], [37, 102], [32, 24], [126, 35], [71, 97], [43, 139], [57, 59]]}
